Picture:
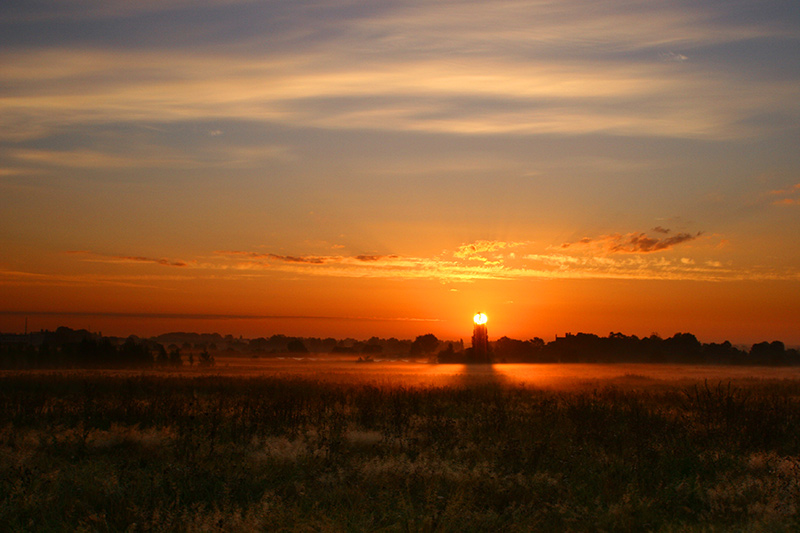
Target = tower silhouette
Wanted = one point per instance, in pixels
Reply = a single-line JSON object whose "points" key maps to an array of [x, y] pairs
{"points": [[480, 339]]}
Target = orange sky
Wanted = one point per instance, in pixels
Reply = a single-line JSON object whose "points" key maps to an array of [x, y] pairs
{"points": [[327, 169]]}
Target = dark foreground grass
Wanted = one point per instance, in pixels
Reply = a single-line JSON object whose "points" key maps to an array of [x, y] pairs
{"points": [[240, 454]]}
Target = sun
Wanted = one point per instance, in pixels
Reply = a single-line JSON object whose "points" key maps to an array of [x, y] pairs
{"points": [[479, 319]]}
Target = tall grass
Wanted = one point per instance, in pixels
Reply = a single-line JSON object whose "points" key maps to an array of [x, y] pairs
{"points": [[239, 454]]}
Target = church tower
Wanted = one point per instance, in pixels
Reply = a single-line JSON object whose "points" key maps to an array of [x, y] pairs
{"points": [[480, 339]]}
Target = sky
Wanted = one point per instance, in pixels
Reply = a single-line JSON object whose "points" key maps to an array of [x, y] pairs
{"points": [[349, 168]]}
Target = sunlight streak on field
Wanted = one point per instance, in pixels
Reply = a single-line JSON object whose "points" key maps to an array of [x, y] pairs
{"points": [[410, 372], [633, 375]]}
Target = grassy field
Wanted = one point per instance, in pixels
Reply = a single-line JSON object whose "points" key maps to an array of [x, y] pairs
{"points": [[441, 448]]}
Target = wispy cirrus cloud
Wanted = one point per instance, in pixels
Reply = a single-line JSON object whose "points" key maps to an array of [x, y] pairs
{"points": [[46, 279], [672, 57], [144, 157], [461, 68], [85, 158], [81, 10]]}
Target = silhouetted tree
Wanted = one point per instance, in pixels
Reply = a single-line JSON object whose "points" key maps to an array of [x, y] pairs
{"points": [[683, 347], [424, 344], [162, 358], [259, 344], [768, 353], [449, 355], [206, 359], [506, 349], [723, 353], [134, 352], [371, 348], [296, 346], [175, 357]]}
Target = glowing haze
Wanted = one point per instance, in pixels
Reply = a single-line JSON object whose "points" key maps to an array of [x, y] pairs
{"points": [[355, 169]]}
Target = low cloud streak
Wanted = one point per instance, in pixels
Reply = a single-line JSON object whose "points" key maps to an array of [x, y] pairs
{"points": [[633, 243], [628, 256], [101, 258], [790, 195]]}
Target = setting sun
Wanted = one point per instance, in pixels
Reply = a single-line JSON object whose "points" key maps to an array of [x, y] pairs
{"points": [[479, 318]]}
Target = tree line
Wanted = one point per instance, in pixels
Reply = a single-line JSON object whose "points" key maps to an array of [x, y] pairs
{"points": [[68, 348], [620, 348]]}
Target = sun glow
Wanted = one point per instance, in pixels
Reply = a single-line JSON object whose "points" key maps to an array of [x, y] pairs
{"points": [[479, 318]]}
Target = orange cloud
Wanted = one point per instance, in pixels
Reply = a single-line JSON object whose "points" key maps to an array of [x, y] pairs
{"points": [[615, 256], [459, 265], [791, 195], [789, 190], [475, 249]]}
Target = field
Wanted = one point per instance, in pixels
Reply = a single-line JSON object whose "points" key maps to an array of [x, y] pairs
{"points": [[325, 444]]}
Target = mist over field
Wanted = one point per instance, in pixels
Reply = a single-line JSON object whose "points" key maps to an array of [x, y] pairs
{"points": [[203, 432]]}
